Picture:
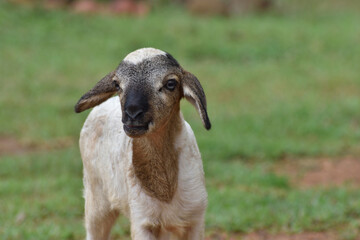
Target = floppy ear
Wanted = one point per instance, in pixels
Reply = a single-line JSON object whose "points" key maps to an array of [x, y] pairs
{"points": [[194, 93], [103, 90]]}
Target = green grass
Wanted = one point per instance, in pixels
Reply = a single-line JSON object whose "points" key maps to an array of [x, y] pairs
{"points": [[47, 188], [275, 76], [284, 84]]}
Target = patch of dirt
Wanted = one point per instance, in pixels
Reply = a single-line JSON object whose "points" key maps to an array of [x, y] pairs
{"points": [[267, 236], [299, 236], [11, 146], [117, 7], [323, 172]]}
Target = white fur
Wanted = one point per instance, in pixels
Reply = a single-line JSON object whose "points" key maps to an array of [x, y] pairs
{"points": [[111, 187], [143, 54]]}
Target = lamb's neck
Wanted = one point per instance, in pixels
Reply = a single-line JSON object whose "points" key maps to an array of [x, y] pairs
{"points": [[155, 160]]}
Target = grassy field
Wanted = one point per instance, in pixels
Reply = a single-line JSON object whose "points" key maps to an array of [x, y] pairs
{"points": [[281, 85]]}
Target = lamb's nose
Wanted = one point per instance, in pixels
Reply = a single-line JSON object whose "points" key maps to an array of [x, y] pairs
{"points": [[136, 105], [133, 111]]}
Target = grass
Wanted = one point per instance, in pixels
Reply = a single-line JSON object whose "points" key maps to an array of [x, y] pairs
{"points": [[46, 188], [279, 85]]}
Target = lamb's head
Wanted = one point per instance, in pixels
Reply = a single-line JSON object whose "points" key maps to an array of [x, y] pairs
{"points": [[150, 84]]}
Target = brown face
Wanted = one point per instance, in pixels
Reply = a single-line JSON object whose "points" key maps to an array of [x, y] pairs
{"points": [[150, 90]]}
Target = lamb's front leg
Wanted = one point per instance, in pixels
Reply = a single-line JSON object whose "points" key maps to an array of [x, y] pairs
{"points": [[196, 231], [98, 220], [143, 223], [99, 217], [144, 232]]}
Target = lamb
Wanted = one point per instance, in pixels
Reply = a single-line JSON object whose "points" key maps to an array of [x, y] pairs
{"points": [[140, 156]]}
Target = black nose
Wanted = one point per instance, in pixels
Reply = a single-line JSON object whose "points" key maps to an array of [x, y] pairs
{"points": [[136, 105], [133, 111]]}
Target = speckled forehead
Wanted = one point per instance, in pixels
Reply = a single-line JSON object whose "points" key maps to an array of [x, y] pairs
{"points": [[142, 54], [149, 70]]}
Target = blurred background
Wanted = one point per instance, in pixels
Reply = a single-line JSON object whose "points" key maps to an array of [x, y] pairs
{"points": [[282, 78]]}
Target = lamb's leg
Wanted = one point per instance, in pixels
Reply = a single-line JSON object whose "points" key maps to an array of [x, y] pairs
{"points": [[143, 233], [196, 231], [99, 218]]}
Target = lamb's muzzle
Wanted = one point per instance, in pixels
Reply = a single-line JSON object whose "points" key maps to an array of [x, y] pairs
{"points": [[140, 156]]}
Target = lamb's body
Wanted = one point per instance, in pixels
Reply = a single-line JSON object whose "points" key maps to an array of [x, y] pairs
{"points": [[140, 157], [112, 187]]}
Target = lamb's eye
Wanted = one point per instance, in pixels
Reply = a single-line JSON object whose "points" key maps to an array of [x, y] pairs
{"points": [[116, 84], [171, 84]]}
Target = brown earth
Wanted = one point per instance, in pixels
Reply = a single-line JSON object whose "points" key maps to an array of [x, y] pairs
{"points": [[306, 173], [227, 8], [323, 172], [11, 146], [266, 236]]}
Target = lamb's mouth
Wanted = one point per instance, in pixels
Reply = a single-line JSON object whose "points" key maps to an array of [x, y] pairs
{"points": [[137, 127], [136, 130]]}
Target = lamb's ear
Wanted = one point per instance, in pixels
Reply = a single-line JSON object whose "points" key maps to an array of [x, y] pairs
{"points": [[194, 93], [103, 90]]}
